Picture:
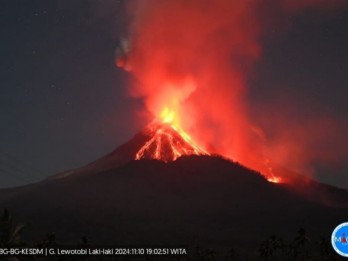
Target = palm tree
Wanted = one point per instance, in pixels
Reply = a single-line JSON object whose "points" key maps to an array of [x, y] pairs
{"points": [[10, 234], [265, 250], [199, 253], [274, 243], [232, 255], [292, 251], [301, 240], [282, 247], [211, 254]]}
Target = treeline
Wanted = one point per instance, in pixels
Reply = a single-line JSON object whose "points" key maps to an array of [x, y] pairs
{"points": [[274, 248]]}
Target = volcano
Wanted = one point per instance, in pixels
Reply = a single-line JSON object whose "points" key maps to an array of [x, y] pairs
{"points": [[159, 188], [167, 143], [159, 140]]}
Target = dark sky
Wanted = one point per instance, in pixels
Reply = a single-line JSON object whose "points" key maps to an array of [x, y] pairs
{"points": [[64, 103]]}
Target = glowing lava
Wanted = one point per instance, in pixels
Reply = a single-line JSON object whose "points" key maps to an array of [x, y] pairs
{"points": [[274, 179], [269, 174], [167, 142], [167, 115]]}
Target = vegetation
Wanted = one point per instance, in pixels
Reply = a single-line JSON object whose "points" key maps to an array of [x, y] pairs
{"points": [[274, 248], [10, 233]]}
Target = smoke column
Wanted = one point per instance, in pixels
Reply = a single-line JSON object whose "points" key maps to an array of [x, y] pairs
{"points": [[194, 56]]}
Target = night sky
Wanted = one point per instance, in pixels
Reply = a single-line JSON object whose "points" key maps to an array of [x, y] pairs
{"points": [[65, 104]]}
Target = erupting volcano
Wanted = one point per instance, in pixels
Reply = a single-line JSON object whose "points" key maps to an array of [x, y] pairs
{"points": [[193, 63], [167, 143], [189, 86]]}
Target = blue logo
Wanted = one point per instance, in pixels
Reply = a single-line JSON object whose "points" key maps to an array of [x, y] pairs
{"points": [[339, 239]]}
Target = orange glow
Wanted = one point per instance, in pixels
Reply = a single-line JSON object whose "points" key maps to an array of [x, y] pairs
{"points": [[192, 60], [167, 143], [187, 76], [274, 179], [167, 115], [189, 83], [268, 173]]}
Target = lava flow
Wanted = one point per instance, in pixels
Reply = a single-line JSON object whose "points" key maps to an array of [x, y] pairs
{"points": [[167, 142]]}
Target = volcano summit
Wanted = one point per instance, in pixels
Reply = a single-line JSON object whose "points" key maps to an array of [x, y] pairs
{"points": [[167, 143]]}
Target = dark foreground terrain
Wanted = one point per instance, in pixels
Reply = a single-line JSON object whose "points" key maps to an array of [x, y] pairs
{"points": [[194, 201]]}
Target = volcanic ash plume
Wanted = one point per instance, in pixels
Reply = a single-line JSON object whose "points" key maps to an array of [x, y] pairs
{"points": [[191, 59]]}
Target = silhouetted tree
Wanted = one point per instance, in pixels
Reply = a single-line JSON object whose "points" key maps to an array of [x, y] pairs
{"points": [[292, 251], [232, 255], [274, 244], [199, 254], [301, 241], [210, 254], [265, 250], [282, 247], [10, 233], [325, 248]]}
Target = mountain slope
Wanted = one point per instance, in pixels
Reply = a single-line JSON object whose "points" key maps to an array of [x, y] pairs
{"points": [[193, 200], [161, 141]]}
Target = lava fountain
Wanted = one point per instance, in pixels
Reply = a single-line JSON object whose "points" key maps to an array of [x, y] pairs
{"points": [[167, 141]]}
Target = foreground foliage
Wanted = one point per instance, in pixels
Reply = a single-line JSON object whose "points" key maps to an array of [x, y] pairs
{"points": [[273, 248]]}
